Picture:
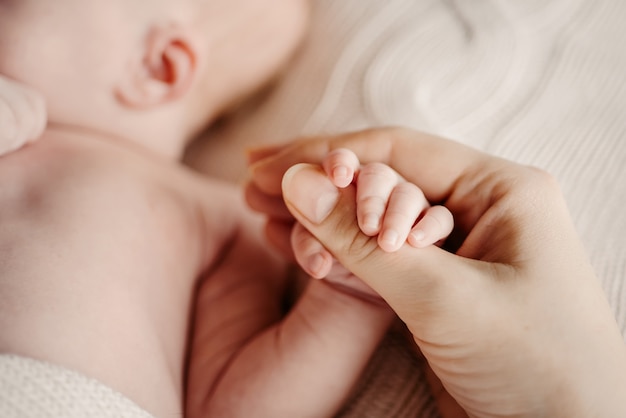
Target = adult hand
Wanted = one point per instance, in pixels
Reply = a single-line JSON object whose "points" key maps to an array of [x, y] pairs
{"points": [[513, 321]]}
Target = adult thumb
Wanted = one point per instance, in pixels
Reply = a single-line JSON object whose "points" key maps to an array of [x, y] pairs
{"points": [[414, 281]]}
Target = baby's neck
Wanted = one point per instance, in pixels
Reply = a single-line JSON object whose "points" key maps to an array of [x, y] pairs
{"points": [[73, 132]]}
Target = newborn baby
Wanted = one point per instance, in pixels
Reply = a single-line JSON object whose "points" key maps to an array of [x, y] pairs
{"points": [[124, 266]]}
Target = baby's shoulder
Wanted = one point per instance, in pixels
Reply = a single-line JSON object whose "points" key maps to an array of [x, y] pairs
{"points": [[82, 179]]}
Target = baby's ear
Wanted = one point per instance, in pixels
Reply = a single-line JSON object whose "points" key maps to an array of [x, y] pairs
{"points": [[163, 72]]}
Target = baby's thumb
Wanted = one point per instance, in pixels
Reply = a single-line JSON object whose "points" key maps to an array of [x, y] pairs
{"points": [[411, 280]]}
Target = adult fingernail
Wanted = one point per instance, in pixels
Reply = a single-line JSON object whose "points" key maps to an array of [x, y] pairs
{"points": [[310, 192]]}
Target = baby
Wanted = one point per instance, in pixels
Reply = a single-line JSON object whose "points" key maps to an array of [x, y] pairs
{"points": [[128, 236], [109, 245]]}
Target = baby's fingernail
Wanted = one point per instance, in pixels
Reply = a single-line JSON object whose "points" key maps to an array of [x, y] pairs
{"points": [[316, 265], [416, 237], [371, 223], [389, 239], [341, 175], [310, 192], [340, 171]]}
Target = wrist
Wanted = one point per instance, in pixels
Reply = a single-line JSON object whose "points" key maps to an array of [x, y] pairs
{"points": [[594, 388]]}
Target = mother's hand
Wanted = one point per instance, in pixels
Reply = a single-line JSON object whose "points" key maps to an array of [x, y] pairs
{"points": [[513, 321]]}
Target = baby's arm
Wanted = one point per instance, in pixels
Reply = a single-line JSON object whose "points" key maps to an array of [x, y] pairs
{"points": [[22, 115], [307, 362], [303, 362]]}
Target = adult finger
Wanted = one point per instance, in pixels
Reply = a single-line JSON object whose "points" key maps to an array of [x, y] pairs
{"points": [[434, 164], [309, 253], [278, 234], [271, 206], [411, 280]]}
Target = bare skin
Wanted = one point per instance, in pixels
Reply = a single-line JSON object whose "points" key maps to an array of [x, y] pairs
{"points": [[71, 208], [113, 246], [514, 322], [386, 206], [83, 216]]}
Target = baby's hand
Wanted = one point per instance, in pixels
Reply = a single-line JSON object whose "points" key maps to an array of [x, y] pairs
{"points": [[22, 115], [387, 205]]}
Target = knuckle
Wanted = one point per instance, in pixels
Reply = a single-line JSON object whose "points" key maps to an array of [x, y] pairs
{"points": [[540, 183], [544, 178], [360, 247], [409, 190], [347, 239], [530, 190], [376, 169], [393, 131], [397, 218], [372, 203]]}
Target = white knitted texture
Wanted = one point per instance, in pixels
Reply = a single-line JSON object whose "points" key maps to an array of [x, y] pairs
{"points": [[34, 389]]}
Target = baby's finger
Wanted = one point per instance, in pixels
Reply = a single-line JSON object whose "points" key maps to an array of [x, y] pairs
{"points": [[406, 203], [374, 186], [341, 166], [310, 253], [435, 225]]}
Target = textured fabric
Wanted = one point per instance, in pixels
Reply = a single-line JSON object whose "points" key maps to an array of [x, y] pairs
{"points": [[541, 82], [33, 389]]}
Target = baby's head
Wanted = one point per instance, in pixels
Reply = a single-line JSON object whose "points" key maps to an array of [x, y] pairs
{"points": [[151, 71]]}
